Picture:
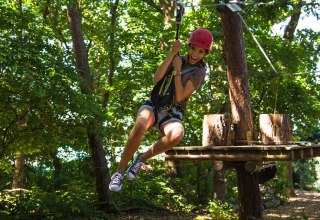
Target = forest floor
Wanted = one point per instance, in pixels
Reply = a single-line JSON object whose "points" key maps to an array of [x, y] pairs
{"points": [[305, 205]]}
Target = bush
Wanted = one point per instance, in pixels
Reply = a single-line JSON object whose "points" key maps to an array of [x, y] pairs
{"points": [[76, 201], [220, 210]]}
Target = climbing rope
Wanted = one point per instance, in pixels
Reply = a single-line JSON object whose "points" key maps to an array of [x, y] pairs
{"points": [[179, 14], [257, 42]]}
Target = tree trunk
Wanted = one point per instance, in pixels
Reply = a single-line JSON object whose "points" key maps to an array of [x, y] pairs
{"points": [[56, 161], [275, 129], [293, 23], [102, 173], [101, 170], [18, 176], [112, 54], [168, 12], [288, 35], [216, 131], [241, 109]]}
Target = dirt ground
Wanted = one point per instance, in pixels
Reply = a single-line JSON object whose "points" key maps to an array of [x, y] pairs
{"points": [[304, 205]]}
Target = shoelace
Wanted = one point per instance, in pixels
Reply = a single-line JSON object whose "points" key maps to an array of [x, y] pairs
{"points": [[138, 166], [117, 179]]}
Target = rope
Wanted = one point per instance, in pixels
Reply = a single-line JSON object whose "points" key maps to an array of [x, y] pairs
{"points": [[317, 72], [221, 3], [276, 99], [269, 61], [166, 83], [180, 12], [261, 49]]}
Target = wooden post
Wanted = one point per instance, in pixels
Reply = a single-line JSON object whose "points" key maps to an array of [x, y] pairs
{"points": [[241, 109], [275, 129], [216, 132], [216, 129]]}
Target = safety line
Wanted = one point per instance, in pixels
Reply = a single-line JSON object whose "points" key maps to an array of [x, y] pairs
{"points": [[261, 49], [266, 56], [221, 3], [269, 61], [303, 73]]}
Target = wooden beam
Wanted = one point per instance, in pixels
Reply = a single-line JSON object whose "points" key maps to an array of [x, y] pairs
{"points": [[245, 153], [219, 165], [257, 166]]}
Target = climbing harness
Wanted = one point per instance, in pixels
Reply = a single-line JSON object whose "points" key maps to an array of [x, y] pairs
{"points": [[162, 93]]}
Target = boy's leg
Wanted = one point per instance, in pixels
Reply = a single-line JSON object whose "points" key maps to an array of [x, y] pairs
{"points": [[173, 135], [145, 120]]}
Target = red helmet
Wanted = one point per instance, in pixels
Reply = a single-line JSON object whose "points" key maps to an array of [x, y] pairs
{"points": [[201, 38]]}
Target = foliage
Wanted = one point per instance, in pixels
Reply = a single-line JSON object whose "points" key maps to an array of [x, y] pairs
{"points": [[219, 210], [156, 189], [305, 174], [279, 185], [46, 177], [77, 200], [43, 111], [191, 191]]}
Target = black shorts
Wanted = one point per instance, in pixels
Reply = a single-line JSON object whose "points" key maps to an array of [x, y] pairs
{"points": [[163, 115]]}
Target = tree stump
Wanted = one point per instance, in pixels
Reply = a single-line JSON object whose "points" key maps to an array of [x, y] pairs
{"points": [[275, 129], [216, 132]]}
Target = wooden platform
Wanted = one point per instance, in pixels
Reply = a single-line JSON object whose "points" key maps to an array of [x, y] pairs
{"points": [[296, 151]]}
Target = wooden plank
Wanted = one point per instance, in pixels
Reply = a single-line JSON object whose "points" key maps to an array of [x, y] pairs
{"points": [[241, 148], [247, 147], [245, 153]]}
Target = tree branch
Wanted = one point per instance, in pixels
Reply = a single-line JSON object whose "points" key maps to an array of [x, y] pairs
{"points": [[154, 5], [293, 23]]}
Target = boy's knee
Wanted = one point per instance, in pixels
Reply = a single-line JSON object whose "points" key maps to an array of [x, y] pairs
{"points": [[176, 136], [140, 126]]}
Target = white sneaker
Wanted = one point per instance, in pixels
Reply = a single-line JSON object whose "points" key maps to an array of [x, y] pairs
{"points": [[134, 168], [115, 182]]}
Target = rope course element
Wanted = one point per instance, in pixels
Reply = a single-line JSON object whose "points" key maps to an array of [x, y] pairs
{"points": [[260, 47], [291, 152]]}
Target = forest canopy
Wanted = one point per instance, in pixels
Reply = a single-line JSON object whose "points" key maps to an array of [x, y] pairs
{"points": [[49, 105]]}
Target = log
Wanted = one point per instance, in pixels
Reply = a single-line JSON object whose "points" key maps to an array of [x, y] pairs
{"points": [[257, 166], [216, 133], [219, 165], [216, 129], [276, 129]]}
